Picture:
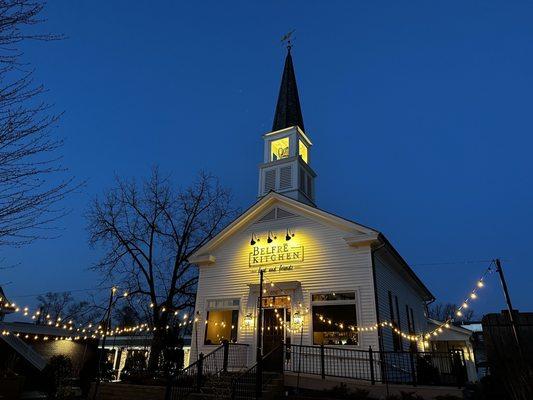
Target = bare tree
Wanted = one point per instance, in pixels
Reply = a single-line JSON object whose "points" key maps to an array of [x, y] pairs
{"points": [[148, 232], [62, 307], [444, 311], [29, 165]]}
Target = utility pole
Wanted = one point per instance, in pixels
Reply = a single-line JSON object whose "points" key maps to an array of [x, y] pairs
{"points": [[258, 355], [106, 327], [509, 305]]}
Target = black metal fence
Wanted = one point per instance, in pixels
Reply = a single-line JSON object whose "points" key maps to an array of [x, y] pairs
{"points": [[404, 367], [227, 357], [400, 367]]}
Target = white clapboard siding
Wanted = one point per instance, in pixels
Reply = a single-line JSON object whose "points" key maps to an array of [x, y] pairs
{"points": [[388, 278], [330, 265]]}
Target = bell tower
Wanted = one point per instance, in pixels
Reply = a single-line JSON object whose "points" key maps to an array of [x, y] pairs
{"points": [[287, 149]]}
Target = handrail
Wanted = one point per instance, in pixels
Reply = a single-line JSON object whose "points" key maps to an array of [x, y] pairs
{"points": [[251, 375], [194, 364], [263, 358], [193, 378]]}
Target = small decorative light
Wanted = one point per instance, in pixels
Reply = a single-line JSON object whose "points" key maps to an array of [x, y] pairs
{"points": [[459, 313], [271, 237], [297, 318], [473, 296], [480, 284], [248, 319]]}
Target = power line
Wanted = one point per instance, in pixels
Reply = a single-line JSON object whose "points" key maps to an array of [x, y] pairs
{"points": [[60, 291], [463, 262]]}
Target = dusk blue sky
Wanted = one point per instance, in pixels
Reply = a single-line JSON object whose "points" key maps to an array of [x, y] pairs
{"points": [[420, 115]]}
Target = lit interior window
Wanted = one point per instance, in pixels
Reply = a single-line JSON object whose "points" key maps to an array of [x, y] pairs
{"points": [[221, 326], [279, 149], [334, 319], [334, 325], [303, 151]]}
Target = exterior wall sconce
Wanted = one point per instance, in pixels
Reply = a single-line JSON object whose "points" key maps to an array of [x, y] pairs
{"points": [[248, 320], [271, 237], [254, 239], [297, 318], [290, 235]]}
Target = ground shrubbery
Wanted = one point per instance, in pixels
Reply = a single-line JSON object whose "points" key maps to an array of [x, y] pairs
{"points": [[56, 375]]}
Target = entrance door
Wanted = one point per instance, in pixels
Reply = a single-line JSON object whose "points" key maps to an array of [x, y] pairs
{"points": [[276, 316], [273, 328], [273, 338]]}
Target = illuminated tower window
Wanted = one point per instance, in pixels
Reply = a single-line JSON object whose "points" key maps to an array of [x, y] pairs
{"points": [[302, 150], [279, 149]]}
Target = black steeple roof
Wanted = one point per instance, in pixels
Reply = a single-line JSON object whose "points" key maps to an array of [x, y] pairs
{"points": [[288, 111]]}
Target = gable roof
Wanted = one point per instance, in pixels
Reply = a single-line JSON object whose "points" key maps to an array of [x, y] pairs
{"points": [[356, 233], [267, 201]]}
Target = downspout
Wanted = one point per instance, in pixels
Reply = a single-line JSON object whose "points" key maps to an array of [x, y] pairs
{"points": [[380, 333], [376, 297]]}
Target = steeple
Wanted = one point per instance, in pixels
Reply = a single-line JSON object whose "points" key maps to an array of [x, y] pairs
{"points": [[286, 163], [288, 111]]}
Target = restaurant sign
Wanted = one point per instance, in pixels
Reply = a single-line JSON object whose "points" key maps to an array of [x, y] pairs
{"points": [[276, 254]]}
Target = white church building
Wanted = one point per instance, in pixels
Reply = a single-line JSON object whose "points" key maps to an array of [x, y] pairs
{"points": [[327, 280]]}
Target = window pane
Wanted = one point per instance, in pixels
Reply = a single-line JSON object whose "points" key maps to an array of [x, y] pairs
{"points": [[279, 149], [303, 151], [334, 296], [335, 325], [222, 303], [221, 325]]}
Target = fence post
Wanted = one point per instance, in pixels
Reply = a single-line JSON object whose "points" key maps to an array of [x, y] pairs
{"points": [[322, 362], [259, 379], [225, 344], [200, 372], [412, 362], [371, 360]]}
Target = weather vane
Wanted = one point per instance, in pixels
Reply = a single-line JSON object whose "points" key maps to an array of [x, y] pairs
{"points": [[287, 39]]}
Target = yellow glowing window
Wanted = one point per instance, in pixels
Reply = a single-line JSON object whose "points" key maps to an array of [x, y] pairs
{"points": [[279, 149], [302, 151], [221, 325]]}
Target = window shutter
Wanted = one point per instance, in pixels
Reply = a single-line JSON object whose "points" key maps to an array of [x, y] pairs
{"points": [[285, 177], [270, 180], [302, 180]]}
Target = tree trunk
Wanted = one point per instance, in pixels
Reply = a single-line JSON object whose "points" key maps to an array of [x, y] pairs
{"points": [[156, 348]]}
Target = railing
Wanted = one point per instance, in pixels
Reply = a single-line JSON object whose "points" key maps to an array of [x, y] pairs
{"points": [[250, 383], [332, 361], [227, 357], [404, 367], [424, 368]]}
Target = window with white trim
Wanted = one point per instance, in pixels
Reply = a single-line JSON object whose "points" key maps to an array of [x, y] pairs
{"points": [[334, 318], [221, 323]]}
